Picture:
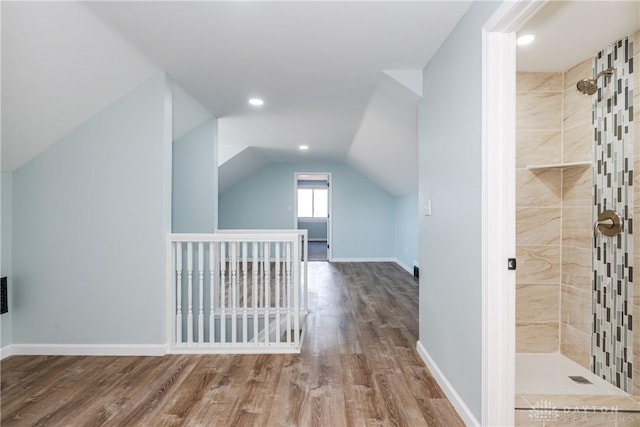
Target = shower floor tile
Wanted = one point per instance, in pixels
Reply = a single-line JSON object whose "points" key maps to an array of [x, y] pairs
{"points": [[543, 387], [548, 373]]}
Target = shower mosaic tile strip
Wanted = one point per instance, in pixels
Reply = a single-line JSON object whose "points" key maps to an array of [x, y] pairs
{"points": [[612, 117]]}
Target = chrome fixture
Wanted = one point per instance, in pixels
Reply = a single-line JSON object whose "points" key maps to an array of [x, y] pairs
{"points": [[590, 86], [609, 223]]}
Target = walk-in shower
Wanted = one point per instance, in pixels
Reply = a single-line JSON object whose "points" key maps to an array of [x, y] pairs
{"points": [[590, 86], [577, 303]]}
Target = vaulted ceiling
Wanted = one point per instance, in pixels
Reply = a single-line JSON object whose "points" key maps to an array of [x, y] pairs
{"points": [[319, 66], [323, 69]]}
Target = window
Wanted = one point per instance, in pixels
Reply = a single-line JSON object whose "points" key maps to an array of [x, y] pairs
{"points": [[313, 203]]}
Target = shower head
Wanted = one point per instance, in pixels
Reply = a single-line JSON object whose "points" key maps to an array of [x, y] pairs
{"points": [[587, 86], [590, 86]]}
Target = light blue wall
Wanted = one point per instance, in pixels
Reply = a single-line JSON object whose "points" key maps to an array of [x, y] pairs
{"points": [[195, 180], [91, 215], [317, 229], [406, 230], [450, 164], [363, 213], [5, 253]]}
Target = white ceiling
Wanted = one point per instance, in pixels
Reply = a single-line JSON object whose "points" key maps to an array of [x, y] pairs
{"points": [[568, 32], [60, 66], [316, 64], [320, 66]]}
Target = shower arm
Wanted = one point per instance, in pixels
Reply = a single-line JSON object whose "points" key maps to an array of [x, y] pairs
{"points": [[608, 72]]}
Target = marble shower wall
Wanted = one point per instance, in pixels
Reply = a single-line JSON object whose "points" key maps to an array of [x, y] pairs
{"points": [[538, 212]]}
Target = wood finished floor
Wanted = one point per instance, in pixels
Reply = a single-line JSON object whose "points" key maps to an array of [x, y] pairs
{"points": [[358, 367]]}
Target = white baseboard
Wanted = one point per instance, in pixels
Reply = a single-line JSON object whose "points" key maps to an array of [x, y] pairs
{"points": [[461, 408], [6, 351], [88, 349], [404, 266], [363, 260]]}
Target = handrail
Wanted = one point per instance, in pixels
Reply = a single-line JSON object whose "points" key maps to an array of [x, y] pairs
{"points": [[237, 290]]}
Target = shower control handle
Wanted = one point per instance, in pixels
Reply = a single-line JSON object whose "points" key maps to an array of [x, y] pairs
{"points": [[609, 223]]}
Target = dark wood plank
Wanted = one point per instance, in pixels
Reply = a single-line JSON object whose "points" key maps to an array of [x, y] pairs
{"points": [[358, 367]]}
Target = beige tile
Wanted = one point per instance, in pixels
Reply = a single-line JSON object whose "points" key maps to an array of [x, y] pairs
{"points": [[576, 109], [538, 147], [636, 125], [537, 303], [578, 143], [538, 187], [521, 402], [636, 335], [603, 403], [538, 82], [577, 186], [538, 265], [537, 337], [539, 111], [636, 285], [576, 308], [576, 267], [628, 419], [576, 227], [636, 44], [577, 417], [636, 181], [538, 226], [636, 351], [576, 345], [524, 418], [582, 70]]}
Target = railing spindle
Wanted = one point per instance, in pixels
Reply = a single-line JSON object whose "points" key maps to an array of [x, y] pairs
{"points": [[223, 311], [179, 292], [234, 292], [277, 288], [254, 291], [288, 279], [296, 293], [267, 294], [200, 293], [190, 293], [212, 317], [245, 327]]}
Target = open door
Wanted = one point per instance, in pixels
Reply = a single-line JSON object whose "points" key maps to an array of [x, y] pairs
{"points": [[313, 212]]}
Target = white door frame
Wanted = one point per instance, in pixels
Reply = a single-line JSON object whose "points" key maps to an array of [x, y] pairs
{"points": [[329, 207], [498, 209]]}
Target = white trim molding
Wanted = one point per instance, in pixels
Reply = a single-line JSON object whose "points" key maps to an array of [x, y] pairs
{"points": [[88, 349], [458, 403], [6, 351], [404, 266], [498, 209]]}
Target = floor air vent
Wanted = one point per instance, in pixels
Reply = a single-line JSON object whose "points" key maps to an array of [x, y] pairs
{"points": [[579, 379]]}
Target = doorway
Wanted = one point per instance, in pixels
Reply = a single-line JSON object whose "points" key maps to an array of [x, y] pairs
{"points": [[312, 198]]}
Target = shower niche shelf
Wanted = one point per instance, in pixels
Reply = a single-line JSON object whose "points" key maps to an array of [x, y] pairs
{"points": [[560, 165]]}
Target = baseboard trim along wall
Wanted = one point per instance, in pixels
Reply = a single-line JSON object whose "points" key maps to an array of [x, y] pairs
{"points": [[84, 350], [6, 351], [455, 399], [403, 265]]}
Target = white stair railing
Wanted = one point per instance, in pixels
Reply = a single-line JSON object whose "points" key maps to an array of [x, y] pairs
{"points": [[238, 291]]}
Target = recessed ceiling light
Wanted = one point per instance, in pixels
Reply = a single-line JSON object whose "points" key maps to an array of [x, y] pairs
{"points": [[256, 102], [303, 147], [525, 39]]}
